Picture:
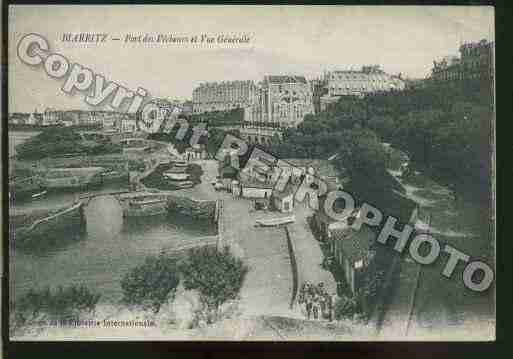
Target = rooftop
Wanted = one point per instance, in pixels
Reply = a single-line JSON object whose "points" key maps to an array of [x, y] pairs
{"points": [[253, 183], [285, 79]]}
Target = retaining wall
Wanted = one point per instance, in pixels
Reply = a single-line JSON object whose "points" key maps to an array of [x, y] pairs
{"points": [[293, 263]]}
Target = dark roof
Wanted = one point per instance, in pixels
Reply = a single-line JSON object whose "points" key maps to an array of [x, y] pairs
{"points": [[229, 171], [355, 244], [284, 79]]}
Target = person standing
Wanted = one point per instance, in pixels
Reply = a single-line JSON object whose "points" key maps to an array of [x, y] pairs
{"points": [[323, 305], [329, 302], [308, 305], [315, 307]]}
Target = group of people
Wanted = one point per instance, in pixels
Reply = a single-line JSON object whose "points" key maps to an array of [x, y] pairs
{"points": [[317, 302]]}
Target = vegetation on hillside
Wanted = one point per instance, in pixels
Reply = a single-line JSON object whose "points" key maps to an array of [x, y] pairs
{"points": [[445, 129], [61, 141]]}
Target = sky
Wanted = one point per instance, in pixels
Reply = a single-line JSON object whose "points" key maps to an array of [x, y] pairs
{"points": [[299, 40]]}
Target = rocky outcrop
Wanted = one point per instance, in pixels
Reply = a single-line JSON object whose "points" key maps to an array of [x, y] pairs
{"points": [[191, 207]]}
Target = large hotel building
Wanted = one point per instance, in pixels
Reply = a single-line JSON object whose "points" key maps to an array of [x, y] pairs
{"points": [[221, 96], [369, 79], [280, 100]]}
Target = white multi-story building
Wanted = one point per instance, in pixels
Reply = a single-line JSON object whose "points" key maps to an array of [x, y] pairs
{"points": [[368, 80], [51, 117], [222, 96], [283, 100]]}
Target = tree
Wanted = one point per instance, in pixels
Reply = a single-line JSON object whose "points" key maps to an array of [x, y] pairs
{"points": [[59, 141], [62, 304], [218, 276], [151, 282], [361, 154]]}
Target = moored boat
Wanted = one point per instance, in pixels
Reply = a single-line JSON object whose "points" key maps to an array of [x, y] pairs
{"points": [[176, 176], [275, 221], [39, 194], [180, 164], [182, 184], [176, 170]]}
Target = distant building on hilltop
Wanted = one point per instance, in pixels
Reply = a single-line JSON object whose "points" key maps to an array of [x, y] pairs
{"points": [[222, 96], [187, 107], [476, 61], [33, 119], [319, 89], [285, 100], [18, 118], [52, 117], [282, 99], [368, 80]]}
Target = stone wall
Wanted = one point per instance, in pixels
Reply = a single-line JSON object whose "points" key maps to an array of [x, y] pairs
{"points": [[192, 207]]}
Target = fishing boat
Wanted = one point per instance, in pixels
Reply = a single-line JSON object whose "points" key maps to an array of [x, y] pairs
{"points": [[145, 207], [180, 183], [180, 164], [39, 194], [176, 176], [176, 170], [275, 221], [183, 184]]}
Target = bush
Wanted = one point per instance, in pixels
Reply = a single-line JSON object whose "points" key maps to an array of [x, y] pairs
{"points": [[218, 276], [151, 282], [346, 307], [64, 304]]}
